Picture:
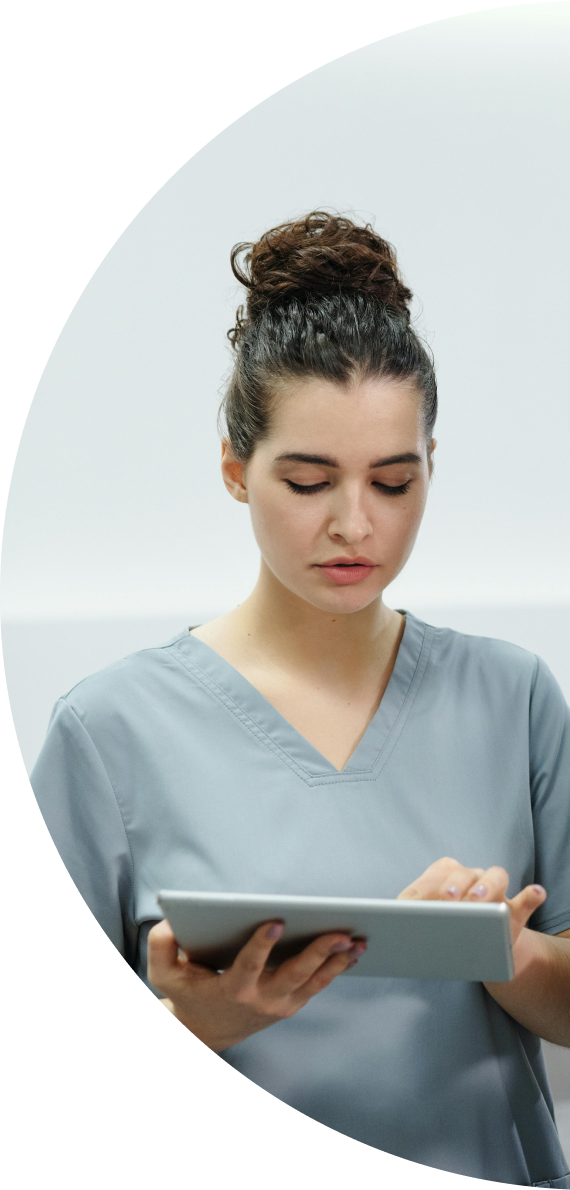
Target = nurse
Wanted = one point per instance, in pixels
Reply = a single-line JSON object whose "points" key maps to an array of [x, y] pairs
{"points": [[315, 741]]}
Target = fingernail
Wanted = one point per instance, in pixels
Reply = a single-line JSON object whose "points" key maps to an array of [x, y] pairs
{"points": [[338, 946], [538, 888], [478, 891], [275, 930], [357, 949], [453, 891], [352, 963]]}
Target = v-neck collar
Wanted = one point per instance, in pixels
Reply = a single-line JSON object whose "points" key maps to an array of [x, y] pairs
{"points": [[275, 732]]}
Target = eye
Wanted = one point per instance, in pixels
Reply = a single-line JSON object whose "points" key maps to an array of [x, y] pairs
{"points": [[306, 489], [388, 490]]}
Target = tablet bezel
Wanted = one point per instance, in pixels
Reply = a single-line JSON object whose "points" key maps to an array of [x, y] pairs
{"points": [[406, 939]]}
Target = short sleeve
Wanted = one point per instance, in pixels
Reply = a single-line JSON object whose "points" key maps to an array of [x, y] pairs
{"points": [[550, 795], [80, 809]]}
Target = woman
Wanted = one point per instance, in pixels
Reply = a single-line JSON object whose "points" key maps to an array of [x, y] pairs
{"points": [[315, 741]]}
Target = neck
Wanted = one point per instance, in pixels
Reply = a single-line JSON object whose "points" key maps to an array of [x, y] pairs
{"points": [[282, 625]]}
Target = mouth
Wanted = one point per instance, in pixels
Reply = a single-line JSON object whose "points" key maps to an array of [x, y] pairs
{"points": [[346, 571]]}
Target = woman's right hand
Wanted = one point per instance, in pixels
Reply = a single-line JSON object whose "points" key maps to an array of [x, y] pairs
{"points": [[224, 1008]]}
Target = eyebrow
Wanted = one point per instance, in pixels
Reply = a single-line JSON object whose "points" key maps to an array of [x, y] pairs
{"points": [[323, 461], [409, 456]]}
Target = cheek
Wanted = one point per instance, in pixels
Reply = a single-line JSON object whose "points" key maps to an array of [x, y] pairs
{"points": [[284, 524], [397, 520]]}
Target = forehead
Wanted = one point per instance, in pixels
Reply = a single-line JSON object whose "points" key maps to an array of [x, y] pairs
{"points": [[328, 417]]}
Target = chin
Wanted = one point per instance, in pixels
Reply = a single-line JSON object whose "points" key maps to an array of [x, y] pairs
{"points": [[343, 601]]}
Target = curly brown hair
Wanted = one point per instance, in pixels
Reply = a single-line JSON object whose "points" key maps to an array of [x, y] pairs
{"points": [[318, 254], [325, 298]]}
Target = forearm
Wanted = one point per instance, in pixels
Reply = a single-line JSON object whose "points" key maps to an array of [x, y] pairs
{"points": [[539, 995]]}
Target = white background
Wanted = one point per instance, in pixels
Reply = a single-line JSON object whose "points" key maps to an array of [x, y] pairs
{"points": [[452, 138]]}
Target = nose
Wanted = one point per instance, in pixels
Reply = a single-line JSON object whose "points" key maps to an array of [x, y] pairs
{"points": [[350, 520]]}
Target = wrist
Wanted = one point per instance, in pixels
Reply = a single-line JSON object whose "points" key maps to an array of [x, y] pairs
{"points": [[214, 1039], [538, 997], [528, 949]]}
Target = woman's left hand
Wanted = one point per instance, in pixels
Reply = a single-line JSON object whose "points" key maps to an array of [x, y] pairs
{"points": [[448, 880]]}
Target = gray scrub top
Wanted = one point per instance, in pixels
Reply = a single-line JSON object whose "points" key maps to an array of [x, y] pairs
{"points": [[170, 770]]}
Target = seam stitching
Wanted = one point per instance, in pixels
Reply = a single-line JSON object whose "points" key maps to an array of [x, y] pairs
{"points": [[405, 708], [262, 736], [117, 803], [229, 703], [554, 920]]}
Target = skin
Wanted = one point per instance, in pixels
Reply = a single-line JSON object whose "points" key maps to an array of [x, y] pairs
{"points": [[322, 652]]}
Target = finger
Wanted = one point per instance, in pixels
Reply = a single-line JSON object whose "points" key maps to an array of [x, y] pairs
{"points": [[251, 959], [162, 952], [458, 882], [491, 886], [524, 905], [427, 886], [329, 970], [295, 972]]}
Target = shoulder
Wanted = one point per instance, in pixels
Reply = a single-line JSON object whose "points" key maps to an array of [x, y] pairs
{"points": [[497, 669], [130, 681], [482, 654]]}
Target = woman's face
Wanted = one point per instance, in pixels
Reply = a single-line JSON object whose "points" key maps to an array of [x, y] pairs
{"points": [[337, 489]]}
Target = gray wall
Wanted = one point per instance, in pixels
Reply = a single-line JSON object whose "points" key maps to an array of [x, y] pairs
{"points": [[451, 137]]}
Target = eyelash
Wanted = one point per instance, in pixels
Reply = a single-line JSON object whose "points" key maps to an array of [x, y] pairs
{"points": [[303, 489]]}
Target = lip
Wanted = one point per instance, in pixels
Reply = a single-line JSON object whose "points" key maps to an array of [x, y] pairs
{"points": [[360, 560], [344, 572]]}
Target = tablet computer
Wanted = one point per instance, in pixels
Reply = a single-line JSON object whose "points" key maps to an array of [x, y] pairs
{"points": [[409, 939]]}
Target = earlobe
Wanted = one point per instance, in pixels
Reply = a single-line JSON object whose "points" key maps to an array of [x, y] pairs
{"points": [[432, 447], [238, 490], [233, 473]]}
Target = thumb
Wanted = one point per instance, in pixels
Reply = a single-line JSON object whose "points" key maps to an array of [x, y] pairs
{"points": [[162, 952], [524, 905]]}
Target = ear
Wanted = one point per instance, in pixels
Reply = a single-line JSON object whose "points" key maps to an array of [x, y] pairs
{"points": [[432, 447], [233, 473]]}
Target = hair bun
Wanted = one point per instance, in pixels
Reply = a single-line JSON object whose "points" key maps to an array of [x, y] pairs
{"points": [[319, 254]]}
